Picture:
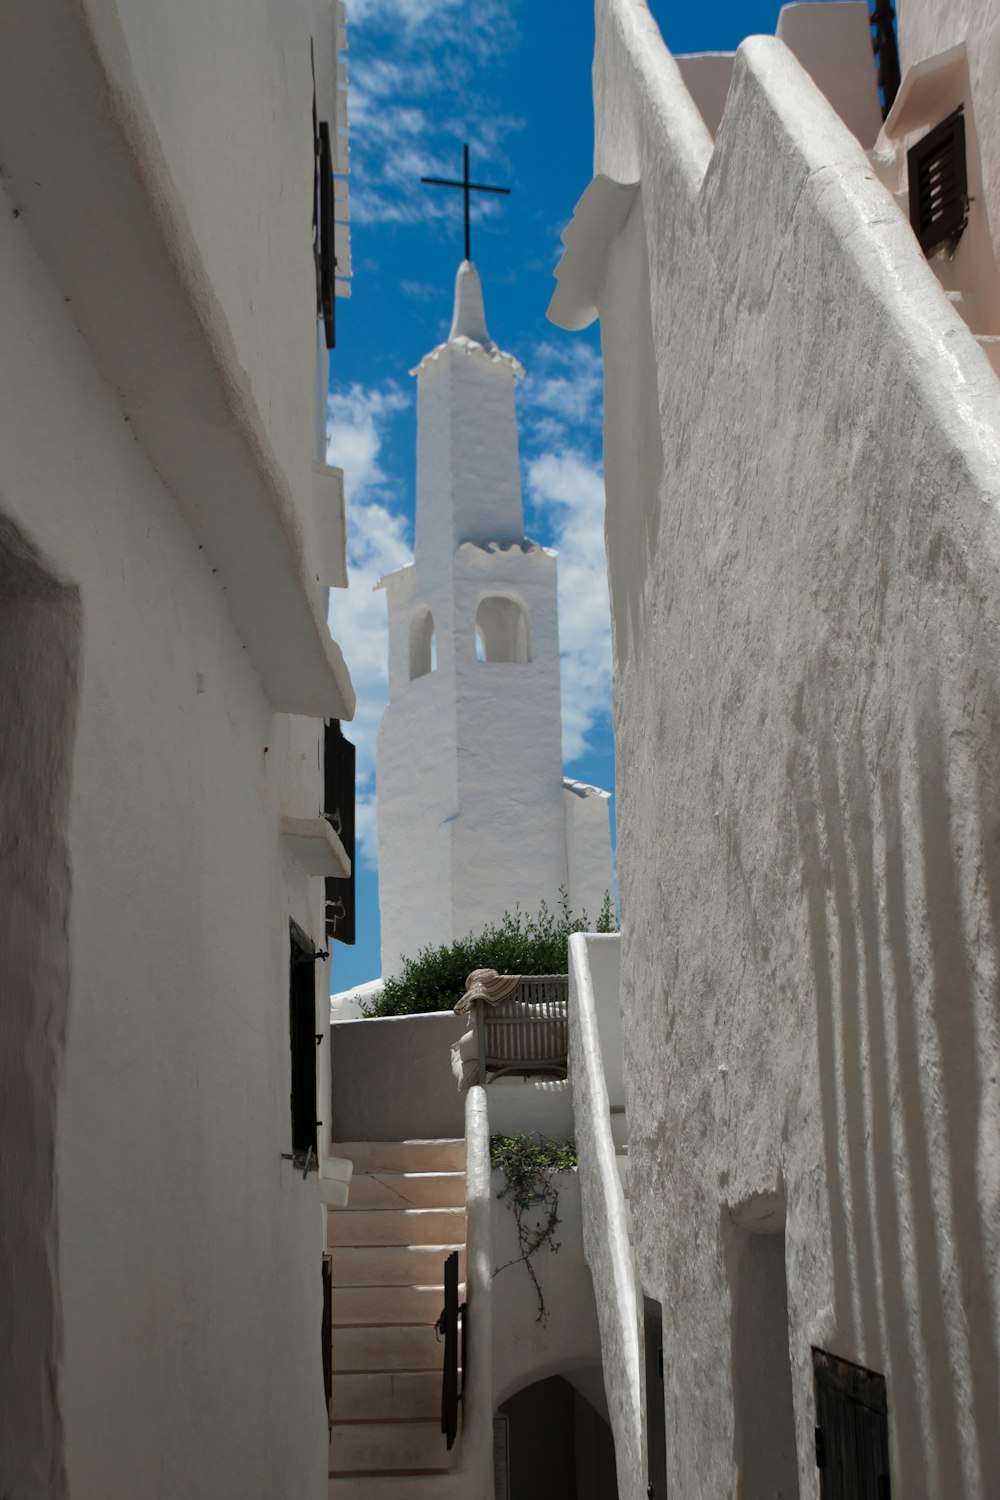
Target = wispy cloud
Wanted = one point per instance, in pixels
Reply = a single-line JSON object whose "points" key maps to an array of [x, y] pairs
{"points": [[560, 406], [406, 57], [569, 487], [378, 541]]}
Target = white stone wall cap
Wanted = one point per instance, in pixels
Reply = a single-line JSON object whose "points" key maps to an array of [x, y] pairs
{"points": [[317, 848], [583, 788], [597, 218]]}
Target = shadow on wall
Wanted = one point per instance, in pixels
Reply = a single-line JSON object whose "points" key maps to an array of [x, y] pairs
{"points": [[558, 1445], [39, 668], [903, 944]]}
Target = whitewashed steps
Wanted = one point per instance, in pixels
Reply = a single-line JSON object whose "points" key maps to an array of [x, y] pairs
{"points": [[388, 1246], [403, 1156], [388, 1447], [387, 1347], [391, 1265], [408, 1190], [387, 1396], [396, 1226], [389, 1304], [398, 1487]]}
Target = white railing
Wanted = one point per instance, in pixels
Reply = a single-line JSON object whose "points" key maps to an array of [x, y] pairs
{"points": [[594, 1058], [476, 1461]]}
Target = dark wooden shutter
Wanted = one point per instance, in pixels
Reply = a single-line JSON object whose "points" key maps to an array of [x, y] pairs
{"points": [[656, 1419], [939, 184], [302, 1028], [448, 1328], [327, 258], [852, 1431], [338, 806], [327, 1334]]}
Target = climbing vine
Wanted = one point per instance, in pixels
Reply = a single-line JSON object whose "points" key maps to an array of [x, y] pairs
{"points": [[529, 1164]]}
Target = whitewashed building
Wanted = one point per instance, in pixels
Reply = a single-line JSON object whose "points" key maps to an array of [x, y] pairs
{"points": [[474, 815], [802, 457], [167, 537]]}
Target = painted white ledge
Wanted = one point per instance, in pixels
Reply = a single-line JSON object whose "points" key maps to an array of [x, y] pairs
{"points": [[335, 1181], [330, 563], [317, 848], [596, 220], [106, 216]]}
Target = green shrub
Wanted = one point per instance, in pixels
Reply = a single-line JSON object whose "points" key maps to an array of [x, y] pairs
{"points": [[518, 944]]}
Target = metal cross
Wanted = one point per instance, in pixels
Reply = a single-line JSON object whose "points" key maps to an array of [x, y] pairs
{"points": [[467, 188]]}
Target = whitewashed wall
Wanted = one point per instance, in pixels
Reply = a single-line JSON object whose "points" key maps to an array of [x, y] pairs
{"points": [[177, 1348], [805, 592]]}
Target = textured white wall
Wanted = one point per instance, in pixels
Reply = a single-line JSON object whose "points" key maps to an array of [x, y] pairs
{"points": [[185, 1254], [806, 701]]}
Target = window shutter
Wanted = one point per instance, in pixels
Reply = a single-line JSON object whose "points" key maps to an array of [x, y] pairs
{"points": [[939, 184], [338, 808]]}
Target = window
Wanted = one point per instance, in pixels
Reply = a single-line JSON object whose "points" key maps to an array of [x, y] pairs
{"points": [[423, 647], [338, 809], [939, 186], [304, 1041], [502, 630]]}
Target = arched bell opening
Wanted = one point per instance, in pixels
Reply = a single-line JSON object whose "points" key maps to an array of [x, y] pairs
{"points": [[503, 630], [423, 644]]}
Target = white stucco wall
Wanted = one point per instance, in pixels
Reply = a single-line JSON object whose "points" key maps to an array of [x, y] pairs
{"points": [[589, 868], [807, 859], [179, 1346]]}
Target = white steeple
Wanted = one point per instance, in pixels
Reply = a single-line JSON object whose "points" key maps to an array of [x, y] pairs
{"points": [[472, 811], [468, 475]]}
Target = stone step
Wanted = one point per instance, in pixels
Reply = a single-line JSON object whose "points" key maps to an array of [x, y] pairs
{"points": [[392, 1265], [382, 1447], [396, 1226], [380, 1395], [403, 1156], [400, 1487], [389, 1304], [407, 1190], [387, 1347]]}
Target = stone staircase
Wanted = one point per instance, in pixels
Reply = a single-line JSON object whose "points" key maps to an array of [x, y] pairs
{"points": [[388, 1246]]}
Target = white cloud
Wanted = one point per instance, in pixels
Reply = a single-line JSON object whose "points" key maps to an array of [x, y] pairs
{"points": [[378, 541], [407, 56], [569, 488]]}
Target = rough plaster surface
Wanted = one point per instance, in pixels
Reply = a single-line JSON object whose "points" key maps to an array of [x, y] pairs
{"points": [[806, 702], [595, 1042], [471, 817], [410, 1056], [145, 1095]]}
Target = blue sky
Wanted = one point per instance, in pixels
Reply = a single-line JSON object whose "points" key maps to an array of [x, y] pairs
{"points": [[511, 77]]}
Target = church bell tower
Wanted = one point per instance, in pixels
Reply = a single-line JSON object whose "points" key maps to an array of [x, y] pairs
{"points": [[473, 813]]}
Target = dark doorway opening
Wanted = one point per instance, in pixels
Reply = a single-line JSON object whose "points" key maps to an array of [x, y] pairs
{"points": [[765, 1449], [656, 1406], [559, 1445], [852, 1430]]}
